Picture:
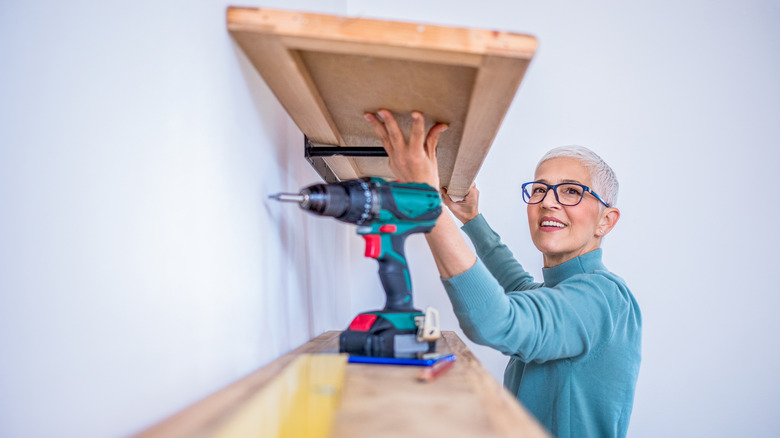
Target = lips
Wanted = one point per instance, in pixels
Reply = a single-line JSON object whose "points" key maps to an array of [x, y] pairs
{"points": [[551, 223]]}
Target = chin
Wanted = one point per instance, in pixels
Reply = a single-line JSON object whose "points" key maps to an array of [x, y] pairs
{"points": [[545, 246], [549, 251]]}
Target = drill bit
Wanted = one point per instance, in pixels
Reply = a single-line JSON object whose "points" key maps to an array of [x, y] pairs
{"points": [[288, 197]]}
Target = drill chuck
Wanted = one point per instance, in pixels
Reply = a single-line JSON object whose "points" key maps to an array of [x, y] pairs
{"points": [[355, 201], [325, 200]]}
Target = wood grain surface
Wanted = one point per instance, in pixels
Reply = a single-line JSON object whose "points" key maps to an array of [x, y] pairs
{"points": [[204, 418], [381, 400]]}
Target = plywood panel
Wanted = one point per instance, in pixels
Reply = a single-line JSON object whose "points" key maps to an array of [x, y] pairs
{"points": [[327, 71]]}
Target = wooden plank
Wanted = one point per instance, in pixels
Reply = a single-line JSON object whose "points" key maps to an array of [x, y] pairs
{"points": [[343, 167], [205, 417], [378, 400], [465, 401], [380, 33], [310, 387], [506, 416], [328, 71], [420, 54], [495, 87], [290, 82]]}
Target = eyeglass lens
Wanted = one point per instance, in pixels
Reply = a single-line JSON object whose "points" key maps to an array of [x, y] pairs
{"points": [[568, 194]]}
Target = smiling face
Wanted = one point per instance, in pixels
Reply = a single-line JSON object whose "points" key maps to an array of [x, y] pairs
{"points": [[562, 233]]}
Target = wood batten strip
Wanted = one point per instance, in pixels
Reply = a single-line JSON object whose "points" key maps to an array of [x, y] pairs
{"points": [[495, 88], [364, 32]]}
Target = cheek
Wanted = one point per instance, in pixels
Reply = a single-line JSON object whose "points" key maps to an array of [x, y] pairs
{"points": [[585, 219]]}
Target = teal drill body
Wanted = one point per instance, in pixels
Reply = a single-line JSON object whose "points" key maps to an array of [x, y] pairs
{"points": [[386, 213]]}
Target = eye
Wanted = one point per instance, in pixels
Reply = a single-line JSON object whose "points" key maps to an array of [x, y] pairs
{"points": [[538, 189], [573, 190]]}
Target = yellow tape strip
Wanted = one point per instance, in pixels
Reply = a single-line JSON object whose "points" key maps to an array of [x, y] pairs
{"points": [[300, 402]]}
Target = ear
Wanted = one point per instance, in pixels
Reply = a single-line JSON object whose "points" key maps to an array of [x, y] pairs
{"points": [[607, 220]]}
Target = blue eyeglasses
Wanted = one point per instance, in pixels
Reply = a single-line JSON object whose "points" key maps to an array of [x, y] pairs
{"points": [[568, 194]]}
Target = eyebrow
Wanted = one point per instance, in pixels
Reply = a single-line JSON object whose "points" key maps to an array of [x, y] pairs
{"points": [[562, 181]]}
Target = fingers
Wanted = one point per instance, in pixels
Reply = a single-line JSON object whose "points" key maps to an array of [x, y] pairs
{"points": [[380, 130], [433, 138], [470, 197], [386, 127], [464, 209], [418, 129], [473, 192], [392, 128], [445, 197]]}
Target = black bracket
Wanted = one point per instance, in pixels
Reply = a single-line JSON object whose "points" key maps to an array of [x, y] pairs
{"points": [[315, 154]]}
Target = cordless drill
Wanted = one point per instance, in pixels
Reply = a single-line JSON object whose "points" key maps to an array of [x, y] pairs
{"points": [[385, 213]]}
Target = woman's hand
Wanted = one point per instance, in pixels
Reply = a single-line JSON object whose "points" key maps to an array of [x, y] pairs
{"points": [[413, 160], [465, 209]]}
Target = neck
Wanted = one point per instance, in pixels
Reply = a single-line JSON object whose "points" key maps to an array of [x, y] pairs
{"points": [[553, 260]]}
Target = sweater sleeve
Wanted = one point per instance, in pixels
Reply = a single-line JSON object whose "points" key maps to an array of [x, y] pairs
{"points": [[536, 325], [497, 257]]}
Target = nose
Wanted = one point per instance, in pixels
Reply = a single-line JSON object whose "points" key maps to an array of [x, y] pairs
{"points": [[550, 200]]}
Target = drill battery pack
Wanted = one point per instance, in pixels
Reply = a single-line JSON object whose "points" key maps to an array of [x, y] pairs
{"points": [[384, 334]]}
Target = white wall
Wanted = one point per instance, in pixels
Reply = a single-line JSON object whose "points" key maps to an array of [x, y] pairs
{"points": [[141, 267], [683, 100]]}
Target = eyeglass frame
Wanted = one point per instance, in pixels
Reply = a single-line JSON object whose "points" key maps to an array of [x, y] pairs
{"points": [[554, 189]]}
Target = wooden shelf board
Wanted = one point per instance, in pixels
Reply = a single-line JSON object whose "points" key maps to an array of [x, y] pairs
{"points": [[327, 71], [378, 400]]}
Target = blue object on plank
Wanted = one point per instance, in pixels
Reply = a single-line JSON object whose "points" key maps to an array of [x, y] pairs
{"points": [[399, 361]]}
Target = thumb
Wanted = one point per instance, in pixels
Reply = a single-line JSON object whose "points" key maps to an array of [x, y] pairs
{"points": [[445, 197]]}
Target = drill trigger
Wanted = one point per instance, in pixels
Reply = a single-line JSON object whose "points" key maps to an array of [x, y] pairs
{"points": [[373, 245]]}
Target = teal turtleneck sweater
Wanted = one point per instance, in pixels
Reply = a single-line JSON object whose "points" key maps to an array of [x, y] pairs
{"points": [[574, 341]]}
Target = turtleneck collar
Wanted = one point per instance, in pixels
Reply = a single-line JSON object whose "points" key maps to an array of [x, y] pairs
{"points": [[588, 262]]}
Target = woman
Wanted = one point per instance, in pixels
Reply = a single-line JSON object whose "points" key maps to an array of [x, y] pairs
{"points": [[574, 340]]}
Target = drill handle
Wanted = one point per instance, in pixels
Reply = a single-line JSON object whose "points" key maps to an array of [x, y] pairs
{"points": [[394, 274]]}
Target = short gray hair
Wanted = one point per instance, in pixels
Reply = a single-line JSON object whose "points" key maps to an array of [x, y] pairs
{"points": [[603, 178]]}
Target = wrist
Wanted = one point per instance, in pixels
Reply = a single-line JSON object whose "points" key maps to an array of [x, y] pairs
{"points": [[469, 218]]}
